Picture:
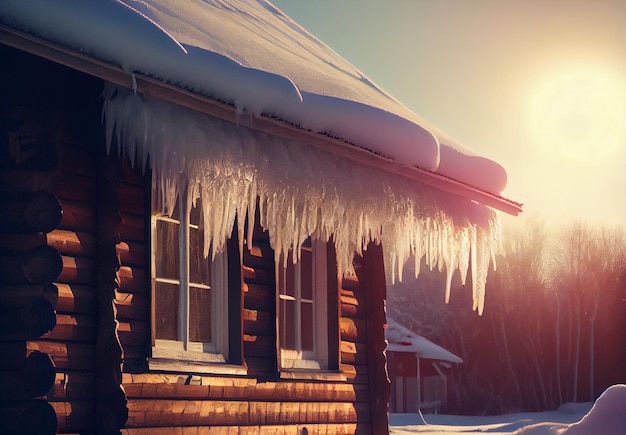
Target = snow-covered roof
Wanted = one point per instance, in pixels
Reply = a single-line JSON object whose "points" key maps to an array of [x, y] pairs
{"points": [[251, 57], [402, 339], [249, 53]]}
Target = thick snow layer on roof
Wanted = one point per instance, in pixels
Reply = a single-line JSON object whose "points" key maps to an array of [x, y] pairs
{"points": [[250, 54], [402, 339]]}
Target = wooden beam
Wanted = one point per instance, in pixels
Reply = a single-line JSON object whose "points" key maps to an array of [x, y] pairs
{"points": [[151, 87], [371, 273]]}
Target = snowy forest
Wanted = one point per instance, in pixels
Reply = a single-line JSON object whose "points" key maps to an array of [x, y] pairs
{"points": [[553, 328]]}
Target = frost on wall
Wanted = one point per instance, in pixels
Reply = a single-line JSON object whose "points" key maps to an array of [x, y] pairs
{"points": [[302, 191]]}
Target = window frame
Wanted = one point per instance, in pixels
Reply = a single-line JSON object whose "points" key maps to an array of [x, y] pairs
{"points": [[183, 354], [324, 358]]}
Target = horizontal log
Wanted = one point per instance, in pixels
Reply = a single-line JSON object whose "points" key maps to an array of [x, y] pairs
{"points": [[75, 187], [73, 243], [258, 275], [77, 158], [26, 322], [326, 428], [356, 374], [132, 306], [353, 330], [353, 353], [259, 297], [131, 365], [22, 294], [25, 181], [134, 332], [178, 378], [258, 257], [132, 198], [75, 298], [139, 352], [348, 310], [131, 253], [78, 216], [22, 242], [158, 413], [75, 327], [26, 417], [77, 416], [78, 270], [132, 227], [350, 283], [257, 322], [132, 173], [261, 367], [70, 386], [348, 297], [222, 388], [40, 265], [33, 379], [259, 346], [133, 280], [39, 373], [29, 212], [70, 356], [13, 355]]}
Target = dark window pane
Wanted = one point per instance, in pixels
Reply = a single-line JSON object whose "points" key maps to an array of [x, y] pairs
{"points": [[288, 333], [289, 280], [166, 250], [199, 267], [307, 326], [200, 315], [195, 213], [306, 274], [166, 310]]}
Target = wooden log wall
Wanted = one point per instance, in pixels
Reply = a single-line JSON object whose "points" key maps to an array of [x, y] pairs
{"points": [[50, 132], [27, 302], [259, 402], [49, 161]]}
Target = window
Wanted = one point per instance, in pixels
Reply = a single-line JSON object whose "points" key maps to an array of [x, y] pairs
{"points": [[190, 292], [304, 310]]}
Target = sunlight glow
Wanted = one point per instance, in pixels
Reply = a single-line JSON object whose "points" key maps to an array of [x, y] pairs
{"points": [[579, 114]]}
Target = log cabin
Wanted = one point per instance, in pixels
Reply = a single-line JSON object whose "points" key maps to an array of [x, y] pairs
{"points": [[201, 208]]}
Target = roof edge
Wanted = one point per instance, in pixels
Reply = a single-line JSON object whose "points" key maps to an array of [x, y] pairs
{"points": [[148, 86]]}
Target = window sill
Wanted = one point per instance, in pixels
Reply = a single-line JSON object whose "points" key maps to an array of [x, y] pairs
{"points": [[182, 366], [313, 375]]}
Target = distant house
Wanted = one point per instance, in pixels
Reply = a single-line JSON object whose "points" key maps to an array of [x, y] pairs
{"points": [[417, 370], [196, 196]]}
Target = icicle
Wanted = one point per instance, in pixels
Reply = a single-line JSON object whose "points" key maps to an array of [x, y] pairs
{"points": [[298, 192]]}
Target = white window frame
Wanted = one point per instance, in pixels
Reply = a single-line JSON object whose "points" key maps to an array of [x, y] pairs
{"points": [[318, 358], [183, 348]]}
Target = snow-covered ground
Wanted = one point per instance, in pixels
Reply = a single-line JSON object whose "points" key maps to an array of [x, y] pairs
{"points": [[606, 417]]}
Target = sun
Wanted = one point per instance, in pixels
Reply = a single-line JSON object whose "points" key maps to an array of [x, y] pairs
{"points": [[579, 113]]}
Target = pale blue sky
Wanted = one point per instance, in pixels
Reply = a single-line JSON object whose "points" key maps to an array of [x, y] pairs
{"points": [[539, 86]]}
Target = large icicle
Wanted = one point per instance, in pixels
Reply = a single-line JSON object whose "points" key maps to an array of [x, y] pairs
{"points": [[302, 191]]}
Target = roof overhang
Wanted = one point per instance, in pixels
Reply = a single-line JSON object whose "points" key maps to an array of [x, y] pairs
{"points": [[151, 87]]}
